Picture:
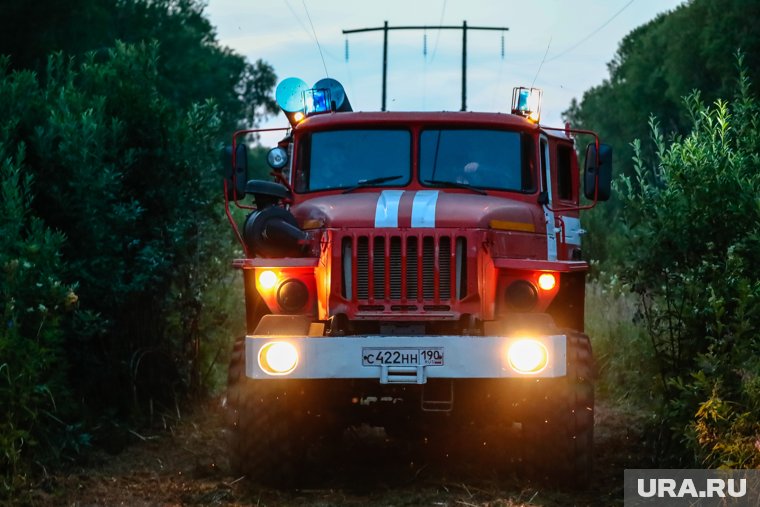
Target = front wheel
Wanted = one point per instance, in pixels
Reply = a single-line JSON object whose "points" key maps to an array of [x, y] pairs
{"points": [[558, 430]]}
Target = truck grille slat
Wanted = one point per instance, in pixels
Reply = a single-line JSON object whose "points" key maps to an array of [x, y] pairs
{"points": [[411, 268], [461, 268], [428, 268], [378, 268], [395, 267], [348, 258], [444, 268], [362, 268]]}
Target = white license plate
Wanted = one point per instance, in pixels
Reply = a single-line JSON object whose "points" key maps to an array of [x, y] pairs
{"points": [[403, 356]]}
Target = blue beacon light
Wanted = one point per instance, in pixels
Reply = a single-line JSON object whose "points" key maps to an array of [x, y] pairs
{"points": [[316, 100]]}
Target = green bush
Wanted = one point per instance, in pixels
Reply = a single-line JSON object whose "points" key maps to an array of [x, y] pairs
{"points": [[131, 183], [692, 222], [33, 390], [117, 138]]}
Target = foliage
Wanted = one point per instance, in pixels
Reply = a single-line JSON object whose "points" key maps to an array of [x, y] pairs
{"points": [[655, 66], [131, 181], [191, 65], [119, 146], [35, 302], [664, 60], [622, 352], [693, 228], [258, 168]]}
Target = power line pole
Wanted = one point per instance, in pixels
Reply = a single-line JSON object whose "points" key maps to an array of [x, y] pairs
{"points": [[464, 66], [385, 28]]}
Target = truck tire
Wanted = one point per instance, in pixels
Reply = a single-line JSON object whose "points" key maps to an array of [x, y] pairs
{"points": [[268, 434], [558, 432]]}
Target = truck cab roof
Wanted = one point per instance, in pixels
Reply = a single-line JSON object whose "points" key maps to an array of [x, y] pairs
{"points": [[396, 118]]}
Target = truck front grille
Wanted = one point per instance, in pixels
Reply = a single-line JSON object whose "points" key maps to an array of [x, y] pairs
{"points": [[403, 268]]}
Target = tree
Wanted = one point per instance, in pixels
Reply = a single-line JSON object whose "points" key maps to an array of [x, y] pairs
{"points": [[664, 60], [34, 305], [118, 141], [30, 31], [655, 66], [191, 63], [692, 223]]}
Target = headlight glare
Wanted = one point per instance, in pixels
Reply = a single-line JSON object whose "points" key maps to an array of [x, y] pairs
{"points": [[278, 358], [527, 356]]}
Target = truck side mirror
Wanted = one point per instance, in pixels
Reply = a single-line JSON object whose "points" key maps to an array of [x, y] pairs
{"points": [[236, 176], [597, 179]]}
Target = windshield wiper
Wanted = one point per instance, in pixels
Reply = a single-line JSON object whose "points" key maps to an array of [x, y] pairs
{"points": [[370, 182], [456, 184]]}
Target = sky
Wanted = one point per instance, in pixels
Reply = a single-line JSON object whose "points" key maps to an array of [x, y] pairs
{"points": [[560, 46]]}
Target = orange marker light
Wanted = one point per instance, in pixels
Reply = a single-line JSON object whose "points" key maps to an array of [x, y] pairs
{"points": [[267, 279], [547, 281]]}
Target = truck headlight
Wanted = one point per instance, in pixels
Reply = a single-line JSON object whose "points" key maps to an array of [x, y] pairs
{"points": [[278, 358], [528, 356]]}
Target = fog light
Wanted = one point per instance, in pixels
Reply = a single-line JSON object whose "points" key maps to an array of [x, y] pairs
{"points": [[527, 356], [292, 295], [278, 358], [521, 295]]}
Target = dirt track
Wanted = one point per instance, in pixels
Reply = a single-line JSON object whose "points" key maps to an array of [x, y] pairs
{"points": [[186, 465]]}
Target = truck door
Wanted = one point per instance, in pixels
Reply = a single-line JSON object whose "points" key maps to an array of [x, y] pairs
{"points": [[546, 188], [565, 190]]}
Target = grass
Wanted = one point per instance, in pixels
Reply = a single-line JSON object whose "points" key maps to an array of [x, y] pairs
{"points": [[623, 353]]}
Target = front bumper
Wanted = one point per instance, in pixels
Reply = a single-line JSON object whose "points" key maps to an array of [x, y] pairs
{"points": [[355, 357]]}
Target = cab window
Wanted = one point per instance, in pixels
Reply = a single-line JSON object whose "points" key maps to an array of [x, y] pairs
{"points": [[338, 159], [487, 159], [564, 172]]}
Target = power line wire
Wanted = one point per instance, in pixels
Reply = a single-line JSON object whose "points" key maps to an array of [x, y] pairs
{"points": [[298, 19], [316, 39], [542, 62], [498, 94], [438, 34], [591, 34], [308, 32]]}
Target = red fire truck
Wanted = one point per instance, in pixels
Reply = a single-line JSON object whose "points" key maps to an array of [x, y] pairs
{"points": [[417, 271]]}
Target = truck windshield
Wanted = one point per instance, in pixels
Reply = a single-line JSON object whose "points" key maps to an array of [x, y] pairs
{"points": [[490, 159], [351, 158]]}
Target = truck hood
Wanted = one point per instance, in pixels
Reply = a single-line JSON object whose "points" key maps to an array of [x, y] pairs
{"points": [[417, 209]]}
